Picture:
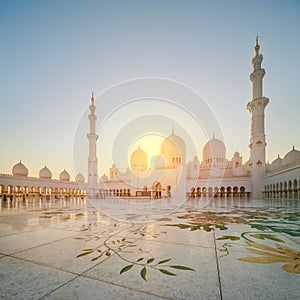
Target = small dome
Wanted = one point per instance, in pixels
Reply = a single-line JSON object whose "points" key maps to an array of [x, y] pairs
{"points": [[19, 169], [79, 178], [214, 149], [45, 173], [276, 163], [104, 178], [292, 157], [173, 145], [236, 154], [139, 160], [64, 176]]}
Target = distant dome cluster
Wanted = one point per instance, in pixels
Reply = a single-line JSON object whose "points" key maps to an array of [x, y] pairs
{"points": [[20, 169], [172, 152]]}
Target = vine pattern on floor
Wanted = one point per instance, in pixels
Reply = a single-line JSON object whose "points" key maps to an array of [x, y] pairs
{"points": [[112, 242]]}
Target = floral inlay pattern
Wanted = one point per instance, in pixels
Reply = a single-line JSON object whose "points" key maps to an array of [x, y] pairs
{"points": [[289, 256], [111, 242]]}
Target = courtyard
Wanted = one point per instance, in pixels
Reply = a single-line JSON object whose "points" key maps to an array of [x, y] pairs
{"points": [[234, 248]]}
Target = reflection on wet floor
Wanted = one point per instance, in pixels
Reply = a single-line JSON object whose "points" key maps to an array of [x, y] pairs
{"points": [[31, 203]]}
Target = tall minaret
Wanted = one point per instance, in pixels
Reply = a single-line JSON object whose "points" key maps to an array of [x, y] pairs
{"points": [[92, 160], [257, 119]]}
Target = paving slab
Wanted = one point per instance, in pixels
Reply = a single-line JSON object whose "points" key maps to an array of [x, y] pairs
{"points": [[62, 254], [25, 240], [202, 283], [87, 288], [23, 280], [244, 280]]}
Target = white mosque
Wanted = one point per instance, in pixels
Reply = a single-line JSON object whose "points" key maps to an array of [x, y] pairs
{"points": [[168, 174]]}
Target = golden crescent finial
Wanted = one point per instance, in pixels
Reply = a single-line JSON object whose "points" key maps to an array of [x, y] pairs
{"points": [[256, 48]]}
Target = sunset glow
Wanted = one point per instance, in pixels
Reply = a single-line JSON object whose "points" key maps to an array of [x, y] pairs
{"points": [[150, 143]]}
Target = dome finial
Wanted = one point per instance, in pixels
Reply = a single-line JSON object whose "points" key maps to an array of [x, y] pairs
{"points": [[92, 98], [173, 130], [214, 135], [256, 48], [293, 147]]}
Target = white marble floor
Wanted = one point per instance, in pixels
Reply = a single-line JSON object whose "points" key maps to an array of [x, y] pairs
{"points": [[225, 249]]}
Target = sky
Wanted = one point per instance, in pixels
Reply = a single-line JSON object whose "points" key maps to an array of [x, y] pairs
{"points": [[54, 54]]}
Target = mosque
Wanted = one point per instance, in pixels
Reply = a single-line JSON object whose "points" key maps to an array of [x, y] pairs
{"points": [[169, 174]]}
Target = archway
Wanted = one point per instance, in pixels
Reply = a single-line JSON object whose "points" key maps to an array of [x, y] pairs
{"points": [[235, 191], [2, 189], [193, 192], [156, 189], [216, 192], [198, 191], [222, 190], [168, 190], [242, 191], [295, 188], [228, 189]]}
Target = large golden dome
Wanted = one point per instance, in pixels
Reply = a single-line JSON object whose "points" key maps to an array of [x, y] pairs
{"points": [[174, 146], [139, 160]]}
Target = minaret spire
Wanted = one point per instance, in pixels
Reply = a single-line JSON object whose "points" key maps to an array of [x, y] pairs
{"points": [[92, 159], [256, 48], [256, 108], [92, 99]]}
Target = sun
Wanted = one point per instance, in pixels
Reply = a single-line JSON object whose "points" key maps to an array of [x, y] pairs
{"points": [[148, 142]]}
